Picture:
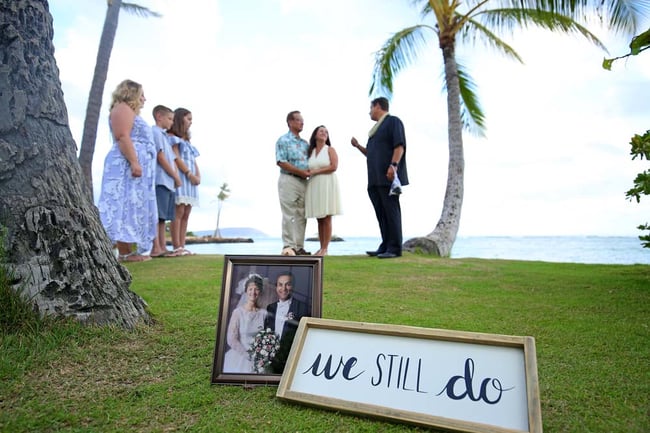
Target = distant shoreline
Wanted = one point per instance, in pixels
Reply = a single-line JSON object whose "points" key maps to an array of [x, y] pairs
{"points": [[334, 239], [192, 240], [574, 249]]}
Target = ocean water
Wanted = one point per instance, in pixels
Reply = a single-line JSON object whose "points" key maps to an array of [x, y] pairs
{"points": [[565, 249]]}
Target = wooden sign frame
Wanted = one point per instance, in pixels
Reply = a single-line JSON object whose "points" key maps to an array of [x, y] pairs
{"points": [[495, 389]]}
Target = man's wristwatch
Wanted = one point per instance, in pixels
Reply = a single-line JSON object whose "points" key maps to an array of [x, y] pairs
{"points": [[394, 164]]}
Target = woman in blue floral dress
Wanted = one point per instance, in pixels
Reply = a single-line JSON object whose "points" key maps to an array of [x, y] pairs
{"points": [[127, 202], [187, 195]]}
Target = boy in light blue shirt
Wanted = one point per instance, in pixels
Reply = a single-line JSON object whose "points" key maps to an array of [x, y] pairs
{"points": [[167, 178]]}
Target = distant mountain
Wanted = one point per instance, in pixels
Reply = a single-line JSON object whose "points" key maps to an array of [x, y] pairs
{"points": [[234, 232]]}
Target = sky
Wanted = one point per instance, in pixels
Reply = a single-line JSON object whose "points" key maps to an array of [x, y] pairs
{"points": [[555, 160]]}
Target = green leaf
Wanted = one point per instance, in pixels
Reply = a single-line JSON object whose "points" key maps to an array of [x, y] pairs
{"points": [[640, 42], [607, 64]]}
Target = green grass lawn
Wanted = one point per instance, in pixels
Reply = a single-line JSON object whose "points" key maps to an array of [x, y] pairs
{"points": [[590, 322]]}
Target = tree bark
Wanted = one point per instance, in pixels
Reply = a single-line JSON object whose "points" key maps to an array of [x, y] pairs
{"points": [[60, 254]]}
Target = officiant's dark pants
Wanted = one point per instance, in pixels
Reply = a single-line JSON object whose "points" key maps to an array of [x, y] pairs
{"points": [[389, 217]]}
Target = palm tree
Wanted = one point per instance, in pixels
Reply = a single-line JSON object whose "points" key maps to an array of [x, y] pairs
{"points": [[56, 248], [224, 193], [473, 21], [87, 148]]}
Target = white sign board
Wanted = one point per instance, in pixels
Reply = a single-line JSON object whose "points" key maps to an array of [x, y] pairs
{"points": [[455, 380]]}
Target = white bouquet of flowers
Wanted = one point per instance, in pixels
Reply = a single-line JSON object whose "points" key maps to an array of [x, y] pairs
{"points": [[263, 349]]}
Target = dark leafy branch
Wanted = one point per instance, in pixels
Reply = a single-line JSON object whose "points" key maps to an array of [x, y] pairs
{"points": [[638, 44], [640, 148]]}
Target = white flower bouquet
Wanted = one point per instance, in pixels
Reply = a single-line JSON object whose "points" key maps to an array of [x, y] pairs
{"points": [[263, 349]]}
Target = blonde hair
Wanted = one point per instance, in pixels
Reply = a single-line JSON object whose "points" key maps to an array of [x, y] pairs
{"points": [[129, 92]]}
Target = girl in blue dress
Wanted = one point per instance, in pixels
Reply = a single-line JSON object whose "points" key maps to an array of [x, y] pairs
{"points": [[187, 195], [127, 202]]}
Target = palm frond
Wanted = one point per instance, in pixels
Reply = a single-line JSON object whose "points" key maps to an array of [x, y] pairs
{"points": [[425, 9], [511, 19], [623, 16], [398, 52], [474, 32], [471, 113], [138, 10]]}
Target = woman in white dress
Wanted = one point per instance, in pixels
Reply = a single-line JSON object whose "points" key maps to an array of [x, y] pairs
{"points": [[245, 322], [322, 199]]}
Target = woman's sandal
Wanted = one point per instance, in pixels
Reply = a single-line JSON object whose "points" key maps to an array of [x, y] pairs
{"points": [[133, 257], [177, 252], [180, 251]]}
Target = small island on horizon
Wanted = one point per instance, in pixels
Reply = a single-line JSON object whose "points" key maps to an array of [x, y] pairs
{"points": [[335, 238], [235, 235], [190, 240], [227, 235]]}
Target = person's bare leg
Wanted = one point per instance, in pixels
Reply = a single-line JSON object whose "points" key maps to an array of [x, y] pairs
{"points": [[155, 249], [327, 234], [162, 237], [187, 209], [159, 244], [320, 237], [123, 248], [324, 234], [176, 227]]}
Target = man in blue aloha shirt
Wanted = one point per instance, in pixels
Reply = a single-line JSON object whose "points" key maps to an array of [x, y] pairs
{"points": [[291, 156]]}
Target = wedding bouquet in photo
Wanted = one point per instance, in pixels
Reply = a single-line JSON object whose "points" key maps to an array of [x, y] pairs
{"points": [[263, 349]]}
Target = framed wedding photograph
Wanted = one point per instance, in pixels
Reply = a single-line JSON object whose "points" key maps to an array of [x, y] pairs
{"points": [[262, 301]]}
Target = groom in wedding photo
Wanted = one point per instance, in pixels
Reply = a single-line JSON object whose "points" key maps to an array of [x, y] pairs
{"points": [[283, 318]]}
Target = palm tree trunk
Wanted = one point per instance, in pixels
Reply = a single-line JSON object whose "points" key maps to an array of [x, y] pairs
{"points": [[56, 246], [441, 240], [89, 137], [217, 232]]}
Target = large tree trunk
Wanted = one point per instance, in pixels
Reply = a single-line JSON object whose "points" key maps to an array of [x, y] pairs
{"points": [[56, 246], [89, 137], [441, 240]]}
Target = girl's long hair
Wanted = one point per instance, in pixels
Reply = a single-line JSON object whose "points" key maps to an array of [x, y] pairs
{"points": [[178, 127]]}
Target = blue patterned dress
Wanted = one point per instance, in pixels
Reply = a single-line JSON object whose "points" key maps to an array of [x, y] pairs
{"points": [[187, 193], [127, 204]]}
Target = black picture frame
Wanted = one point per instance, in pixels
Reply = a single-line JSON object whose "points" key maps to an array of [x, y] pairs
{"points": [[307, 272]]}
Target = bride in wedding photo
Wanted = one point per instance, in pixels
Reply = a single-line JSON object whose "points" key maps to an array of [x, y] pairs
{"points": [[246, 320]]}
